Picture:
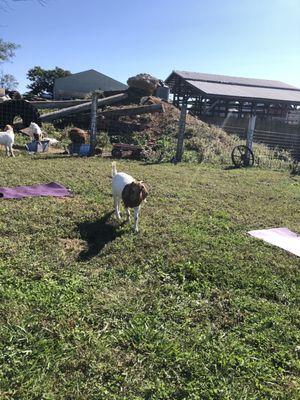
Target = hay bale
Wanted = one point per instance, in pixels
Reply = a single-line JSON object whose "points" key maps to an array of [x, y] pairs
{"points": [[144, 84]]}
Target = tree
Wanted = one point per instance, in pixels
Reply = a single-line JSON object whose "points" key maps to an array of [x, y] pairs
{"points": [[7, 50], [43, 80], [8, 81]]}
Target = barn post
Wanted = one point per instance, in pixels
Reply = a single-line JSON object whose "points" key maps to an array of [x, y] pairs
{"points": [[93, 129], [181, 130], [250, 133]]}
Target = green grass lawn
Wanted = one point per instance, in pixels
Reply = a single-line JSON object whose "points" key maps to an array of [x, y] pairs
{"points": [[189, 308]]}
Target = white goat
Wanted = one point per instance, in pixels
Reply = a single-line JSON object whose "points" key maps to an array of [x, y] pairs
{"points": [[132, 192], [7, 139], [35, 131]]}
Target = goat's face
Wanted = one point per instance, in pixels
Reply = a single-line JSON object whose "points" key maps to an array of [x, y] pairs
{"points": [[138, 191], [134, 193]]}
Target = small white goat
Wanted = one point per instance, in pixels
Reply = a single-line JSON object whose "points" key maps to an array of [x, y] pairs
{"points": [[35, 131], [132, 192], [7, 139]]}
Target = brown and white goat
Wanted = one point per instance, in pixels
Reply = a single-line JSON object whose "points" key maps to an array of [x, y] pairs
{"points": [[132, 192]]}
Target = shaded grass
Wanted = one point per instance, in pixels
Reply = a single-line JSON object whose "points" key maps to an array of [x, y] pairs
{"points": [[97, 234], [190, 308]]}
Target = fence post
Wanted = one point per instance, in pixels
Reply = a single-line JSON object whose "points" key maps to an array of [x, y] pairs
{"points": [[93, 129], [250, 133], [181, 130]]}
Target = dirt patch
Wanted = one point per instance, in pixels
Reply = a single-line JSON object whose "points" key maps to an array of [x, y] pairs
{"points": [[72, 244]]}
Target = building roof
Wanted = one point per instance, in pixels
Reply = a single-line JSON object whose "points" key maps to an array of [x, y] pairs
{"points": [[246, 92], [235, 87], [91, 78], [196, 76]]}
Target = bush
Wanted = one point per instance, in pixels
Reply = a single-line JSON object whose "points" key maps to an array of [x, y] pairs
{"points": [[50, 130], [102, 140], [295, 168]]}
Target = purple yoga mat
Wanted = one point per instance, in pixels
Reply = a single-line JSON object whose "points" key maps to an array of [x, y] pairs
{"points": [[281, 237], [48, 189]]}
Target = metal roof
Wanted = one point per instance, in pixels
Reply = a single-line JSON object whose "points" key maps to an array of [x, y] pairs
{"points": [[196, 76], [247, 92], [194, 83], [91, 80]]}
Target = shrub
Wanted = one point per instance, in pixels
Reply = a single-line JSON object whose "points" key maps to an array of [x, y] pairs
{"points": [[102, 140], [295, 168], [50, 130]]}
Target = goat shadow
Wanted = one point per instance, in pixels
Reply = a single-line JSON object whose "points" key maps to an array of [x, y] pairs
{"points": [[230, 167], [98, 234]]}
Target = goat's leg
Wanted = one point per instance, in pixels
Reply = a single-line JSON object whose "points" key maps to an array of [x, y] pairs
{"points": [[117, 207], [127, 214], [136, 219], [7, 150], [12, 151]]}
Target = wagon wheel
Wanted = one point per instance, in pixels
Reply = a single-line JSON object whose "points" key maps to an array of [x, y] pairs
{"points": [[242, 156], [116, 153]]}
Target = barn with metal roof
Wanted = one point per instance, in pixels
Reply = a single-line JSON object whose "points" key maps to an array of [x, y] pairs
{"points": [[218, 95], [227, 101]]}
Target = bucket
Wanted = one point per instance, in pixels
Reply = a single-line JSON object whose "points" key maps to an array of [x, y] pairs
{"points": [[80, 149], [38, 147]]}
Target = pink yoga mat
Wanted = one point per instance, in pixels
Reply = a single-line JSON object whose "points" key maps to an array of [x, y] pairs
{"points": [[49, 189], [280, 237]]}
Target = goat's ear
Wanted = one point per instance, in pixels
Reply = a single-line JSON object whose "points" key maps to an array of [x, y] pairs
{"points": [[144, 193]]}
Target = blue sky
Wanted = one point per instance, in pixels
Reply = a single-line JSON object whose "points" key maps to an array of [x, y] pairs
{"points": [[120, 38]]}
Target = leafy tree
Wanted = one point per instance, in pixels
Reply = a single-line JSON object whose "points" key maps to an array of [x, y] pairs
{"points": [[7, 50], [8, 81], [43, 80]]}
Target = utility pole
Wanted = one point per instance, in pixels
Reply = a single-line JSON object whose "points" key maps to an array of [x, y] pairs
{"points": [[181, 130]]}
